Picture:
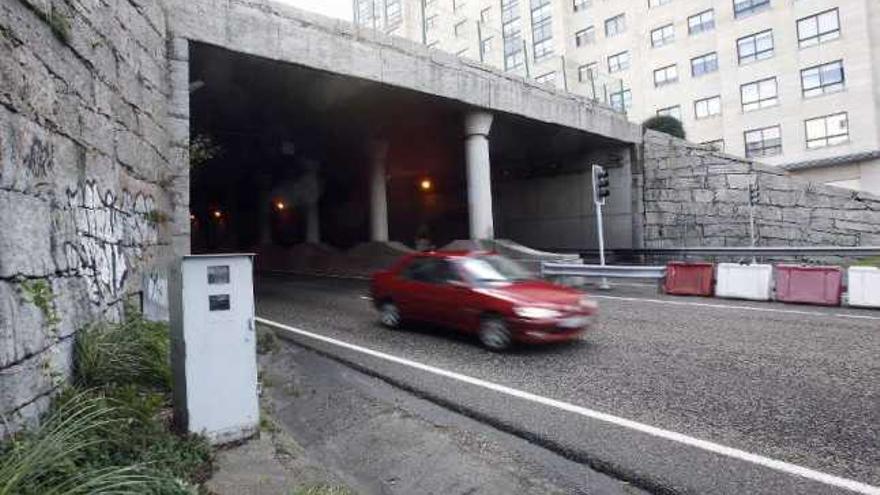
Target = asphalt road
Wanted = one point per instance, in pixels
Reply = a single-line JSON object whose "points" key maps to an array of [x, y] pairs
{"points": [[793, 383]]}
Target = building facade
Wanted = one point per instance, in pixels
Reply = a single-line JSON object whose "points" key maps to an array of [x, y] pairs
{"points": [[791, 83]]}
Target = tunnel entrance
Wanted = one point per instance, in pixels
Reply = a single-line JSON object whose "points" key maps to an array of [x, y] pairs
{"points": [[282, 155]]}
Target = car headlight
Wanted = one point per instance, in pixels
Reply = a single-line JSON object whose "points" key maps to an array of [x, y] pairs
{"points": [[588, 303], [535, 313]]}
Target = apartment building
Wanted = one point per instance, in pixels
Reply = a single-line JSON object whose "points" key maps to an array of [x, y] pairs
{"points": [[792, 83]]}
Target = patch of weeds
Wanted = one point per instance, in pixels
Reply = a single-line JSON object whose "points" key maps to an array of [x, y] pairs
{"points": [[290, 389], [201, 150], [110, 432], [266, 424], [157, 217], [322, 490], [267, 341], [40, 294], [59, 24], [872, 261], [136, 351]]}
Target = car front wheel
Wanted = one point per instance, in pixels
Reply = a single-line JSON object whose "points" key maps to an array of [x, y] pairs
{"points": [[494, 334], [389, 315]]}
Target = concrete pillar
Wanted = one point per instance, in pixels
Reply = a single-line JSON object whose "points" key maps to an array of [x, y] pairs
{"points": [[265, 209], [479, 176], [378, 196], [311, 187]]}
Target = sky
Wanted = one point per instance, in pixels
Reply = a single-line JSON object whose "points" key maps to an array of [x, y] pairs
{"points": [[340, 9]]}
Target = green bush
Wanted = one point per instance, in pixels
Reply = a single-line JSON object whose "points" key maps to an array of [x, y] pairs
{"points": [[133, 352], [111, 431], [666, 123], [267, 341]]}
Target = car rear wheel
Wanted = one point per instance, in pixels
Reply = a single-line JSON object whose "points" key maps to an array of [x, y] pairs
{"points": [[389, 315], [494, 334]]}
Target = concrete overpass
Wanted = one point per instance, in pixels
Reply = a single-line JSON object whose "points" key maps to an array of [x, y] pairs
{"points": [[530, 140]]}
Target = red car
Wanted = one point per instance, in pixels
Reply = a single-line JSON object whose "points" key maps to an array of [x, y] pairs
{"points": [[480, 293]]}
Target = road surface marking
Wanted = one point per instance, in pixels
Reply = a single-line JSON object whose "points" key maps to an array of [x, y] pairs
{"points": [[735, 306], [706, 445]]}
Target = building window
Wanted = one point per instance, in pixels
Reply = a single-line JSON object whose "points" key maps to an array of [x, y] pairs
{"points": [[459, 28], [819, 28], [826, 78], [486, 15], [707, 107], [657, 3], [392, 14], [742, 8], [704, 64], [702, 22], [587, 72], [585, 36], [764, 142], [758, 46], [666, 75], [615, 25], [670, 112], [663, 35], [827, 131], [548, 78], [486, 45], [542, 29], [511, 35], [716, 144], [618, 62], [580, 5], [430, 22], [621, 100], [457, 4], [759, 94]]}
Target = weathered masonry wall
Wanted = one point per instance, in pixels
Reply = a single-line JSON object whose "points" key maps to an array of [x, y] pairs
{"points": [[84, 162], [693, 196]]}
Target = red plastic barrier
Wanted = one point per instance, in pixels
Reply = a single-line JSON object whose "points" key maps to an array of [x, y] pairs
{"points": [[809, 284], [689, 279]]}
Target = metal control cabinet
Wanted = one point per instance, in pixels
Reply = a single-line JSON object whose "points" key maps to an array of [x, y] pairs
{"points": [[213, 342]]}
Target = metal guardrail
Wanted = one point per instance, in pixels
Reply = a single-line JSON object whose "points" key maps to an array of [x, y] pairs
{"points": [[607, 271], [739, 251]]}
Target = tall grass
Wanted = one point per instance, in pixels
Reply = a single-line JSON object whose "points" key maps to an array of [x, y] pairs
{"points": [[45, 462], [111, 431], [133, 352]]}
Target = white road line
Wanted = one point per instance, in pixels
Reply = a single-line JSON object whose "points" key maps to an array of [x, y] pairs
{"points": [[735, 306], [782, 466]]}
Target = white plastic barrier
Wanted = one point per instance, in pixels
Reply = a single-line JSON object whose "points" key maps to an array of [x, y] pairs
{"points": [[744, 281], [864, 286]]}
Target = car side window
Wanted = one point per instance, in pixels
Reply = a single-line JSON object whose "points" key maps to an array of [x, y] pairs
{"points": [[430, 271], [420, 270]]}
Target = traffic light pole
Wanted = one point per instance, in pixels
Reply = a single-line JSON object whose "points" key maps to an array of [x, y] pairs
{"points": [[600, 192], [603, 284]]}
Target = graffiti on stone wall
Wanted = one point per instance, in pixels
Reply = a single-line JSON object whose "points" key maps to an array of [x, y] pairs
{"points": [[111, 231], [155, 296], [39, 158]]}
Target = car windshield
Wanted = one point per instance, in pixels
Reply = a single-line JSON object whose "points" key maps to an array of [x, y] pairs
{"points": [[493, 269]]}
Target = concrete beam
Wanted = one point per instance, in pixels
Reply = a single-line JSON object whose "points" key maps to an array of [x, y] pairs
{"points": [[279, 32]]}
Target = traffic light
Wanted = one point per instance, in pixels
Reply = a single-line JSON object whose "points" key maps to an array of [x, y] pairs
{"points": [[601, 184], [754, 193]]}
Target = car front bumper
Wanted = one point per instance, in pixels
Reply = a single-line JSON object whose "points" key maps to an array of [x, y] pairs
{"points": [[555, 330]]}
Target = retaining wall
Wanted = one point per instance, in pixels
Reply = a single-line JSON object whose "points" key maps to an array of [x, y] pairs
{"points": [[85, 163], [694, 196]]}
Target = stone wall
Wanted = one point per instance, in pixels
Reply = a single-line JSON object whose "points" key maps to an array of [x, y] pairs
{"points": [[85, 160], [693, 196]]}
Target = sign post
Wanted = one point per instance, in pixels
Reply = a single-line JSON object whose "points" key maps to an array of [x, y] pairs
{"points": [[754, 195], [600, 192]]}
